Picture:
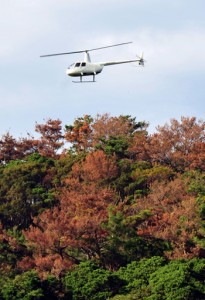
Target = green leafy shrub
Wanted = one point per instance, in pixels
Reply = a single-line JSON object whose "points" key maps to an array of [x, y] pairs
{"points": [[89, 282], [26, 286]]}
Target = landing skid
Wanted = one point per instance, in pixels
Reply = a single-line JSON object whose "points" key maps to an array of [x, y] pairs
{"points": [[85, 81]]}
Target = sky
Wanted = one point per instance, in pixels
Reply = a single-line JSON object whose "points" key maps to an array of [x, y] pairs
{"points": [[171, 34]]}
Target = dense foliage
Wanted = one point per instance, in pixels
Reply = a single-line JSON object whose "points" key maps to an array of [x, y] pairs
{"points": [[103, 209]]}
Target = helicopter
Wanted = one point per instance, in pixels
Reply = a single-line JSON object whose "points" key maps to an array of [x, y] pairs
{"points": [[87, 68]]}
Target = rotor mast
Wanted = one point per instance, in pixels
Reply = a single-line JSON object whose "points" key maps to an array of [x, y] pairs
{"points": [[87, 56]]}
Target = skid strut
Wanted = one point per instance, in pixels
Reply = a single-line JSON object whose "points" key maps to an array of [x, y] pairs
{"points": [[84, 81]]}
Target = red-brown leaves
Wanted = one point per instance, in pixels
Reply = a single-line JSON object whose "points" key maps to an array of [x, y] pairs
{"points": [[176, 144], [79, 134], [97, 167], [8, 149], [74, 229], [51, 137], [174, 217], [11, 149], [106, 126], [139, 147]]}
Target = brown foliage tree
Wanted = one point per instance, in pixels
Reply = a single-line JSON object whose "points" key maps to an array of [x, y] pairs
{"points": [[79, 134], [197, 156], [12, 149], [70, 232], [175, 144], [139, 146], [8, 148], [51, 138], [106, 126], [175, 217], [96, 167]]}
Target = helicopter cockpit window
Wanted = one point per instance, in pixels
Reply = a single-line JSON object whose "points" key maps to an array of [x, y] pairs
{"points": [[77, 65], [83, 64]]}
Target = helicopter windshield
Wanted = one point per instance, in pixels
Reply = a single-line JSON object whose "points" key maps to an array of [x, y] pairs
{"points": [[71, 66]]}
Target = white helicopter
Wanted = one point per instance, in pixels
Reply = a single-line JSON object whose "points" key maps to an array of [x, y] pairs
{"points": [[87, 68]]}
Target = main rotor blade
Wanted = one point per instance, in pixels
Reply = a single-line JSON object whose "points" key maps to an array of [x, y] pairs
{"points": [[47, 55], [109, 46], [81, 51]]}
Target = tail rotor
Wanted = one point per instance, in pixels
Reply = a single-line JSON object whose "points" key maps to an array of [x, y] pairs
{"points": [[141, 59]]}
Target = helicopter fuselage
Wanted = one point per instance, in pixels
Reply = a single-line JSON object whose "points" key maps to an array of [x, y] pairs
{"points": [[84, 69]]}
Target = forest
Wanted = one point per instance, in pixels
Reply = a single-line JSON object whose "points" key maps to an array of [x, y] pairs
{"points": [[103, 209]]}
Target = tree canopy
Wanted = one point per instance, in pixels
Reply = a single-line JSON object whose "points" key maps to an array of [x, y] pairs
{"points": [[102, 209]]}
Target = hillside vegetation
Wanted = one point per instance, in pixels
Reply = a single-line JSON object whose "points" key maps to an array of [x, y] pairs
{"points": [[101, 209]]}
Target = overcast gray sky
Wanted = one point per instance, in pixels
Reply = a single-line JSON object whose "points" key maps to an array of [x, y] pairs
{"points": [[33, 89]]}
